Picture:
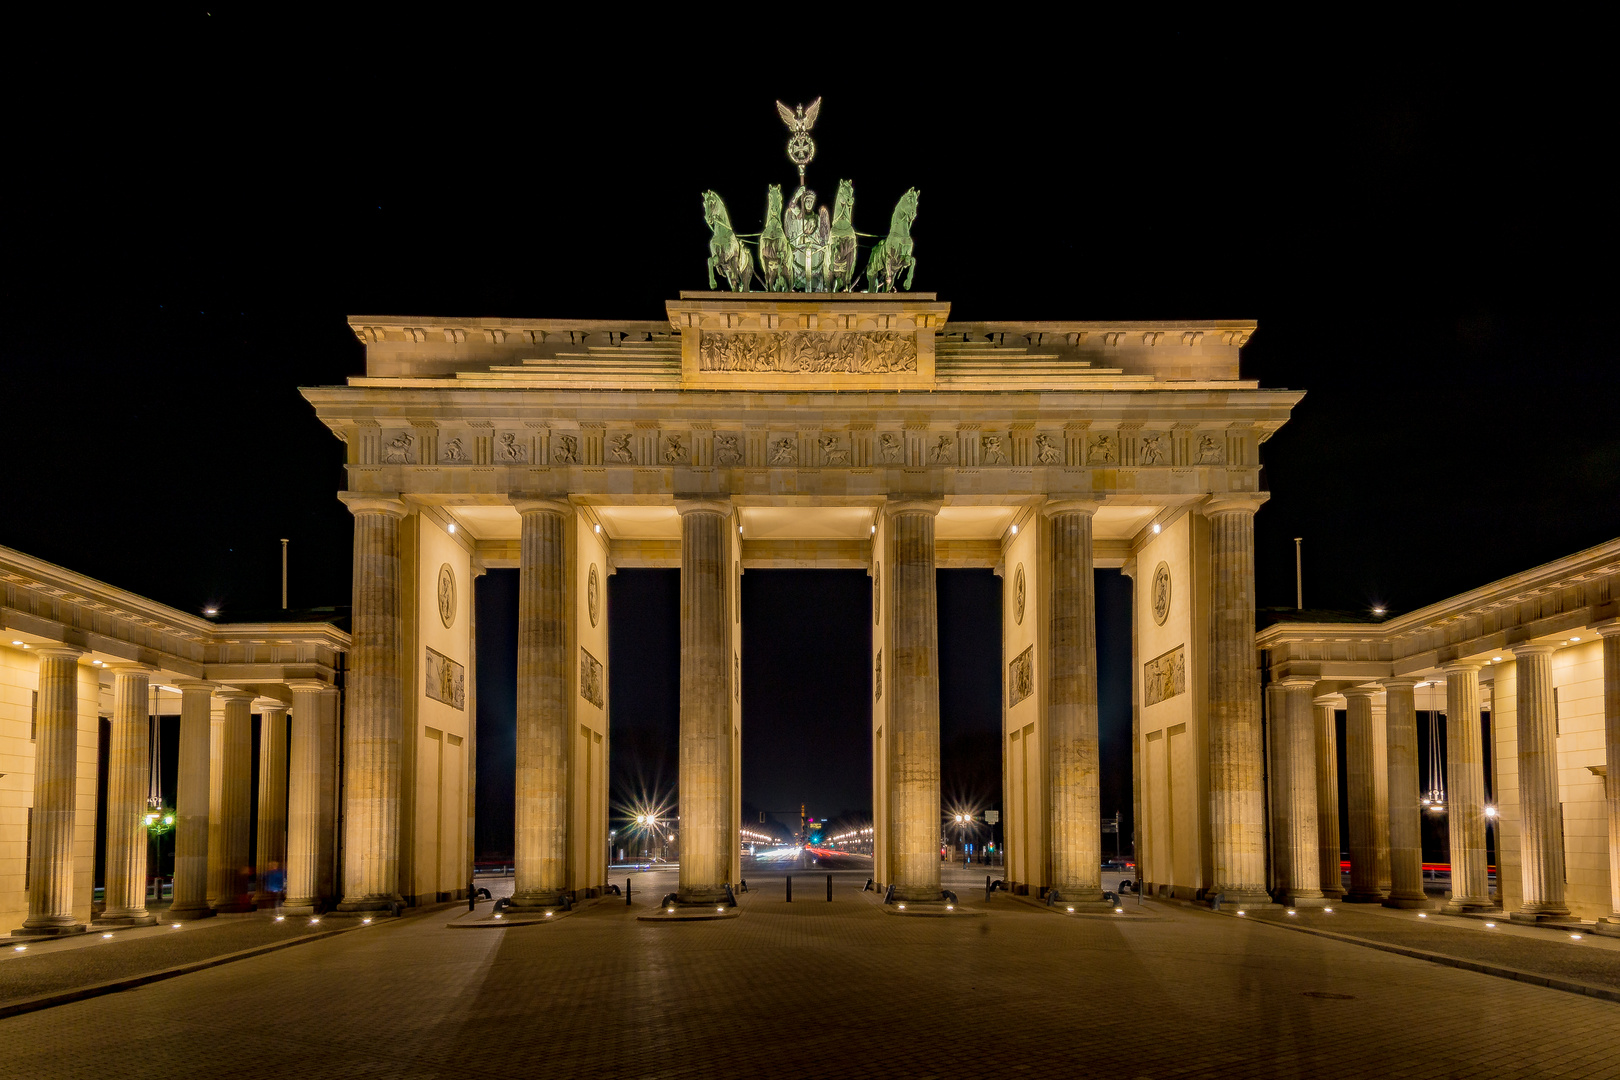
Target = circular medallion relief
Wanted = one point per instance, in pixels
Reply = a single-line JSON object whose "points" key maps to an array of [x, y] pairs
{"points": [[877, 593], [447, 594], [593, 594], [1018, 594], [1161, 593]]}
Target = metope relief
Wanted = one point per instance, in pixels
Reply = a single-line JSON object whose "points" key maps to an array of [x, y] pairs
{"points": [[508, 449], [1103, 450], [891, 449], [1210, 451], [1152, 451], [590, 678], [621, 448], [727, 450], [400, 450], [785, 451], [831, 452], [446, 680], [943, 450], [1021, 677], [990, 450], [1048, 450], [811, 351], [1164, 676], [674, 449], [565, 450]]}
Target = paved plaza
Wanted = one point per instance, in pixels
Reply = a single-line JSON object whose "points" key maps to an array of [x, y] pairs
{"points": [[824, 989]]}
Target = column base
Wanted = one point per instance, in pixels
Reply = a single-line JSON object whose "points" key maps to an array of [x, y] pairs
{"points": [[267, 899], [1242, 898], [1608, 926], [1542, 918], [1078, 896], [370, 905], [1468, 904], [233, 906], [1409, 903], [1361, 897], [301, 906], [49, 931], [537, 901], [1305, 900], [191, 912], [132, 918]]}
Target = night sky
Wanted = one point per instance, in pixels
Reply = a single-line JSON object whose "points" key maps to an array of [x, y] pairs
{"points": [[1422, 230]]}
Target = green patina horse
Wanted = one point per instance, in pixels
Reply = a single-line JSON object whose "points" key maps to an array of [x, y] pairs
{"points": [[774, 253], [841, 240], [893, 254], [727, 253]]}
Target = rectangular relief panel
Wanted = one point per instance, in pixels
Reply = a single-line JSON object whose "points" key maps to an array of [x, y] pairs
{"points": [[1021, 677], [446, 680], [1164, 676]]}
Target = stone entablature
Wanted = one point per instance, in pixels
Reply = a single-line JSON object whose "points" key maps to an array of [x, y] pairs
{"points": [[46, 604], [843, 341], [1548, 601]]}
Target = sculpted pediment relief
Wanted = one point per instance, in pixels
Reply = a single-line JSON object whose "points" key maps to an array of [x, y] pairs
{"points": [[809, 351]]}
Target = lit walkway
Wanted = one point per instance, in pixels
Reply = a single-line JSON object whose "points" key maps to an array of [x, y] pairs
{"points": [[824, 989]]}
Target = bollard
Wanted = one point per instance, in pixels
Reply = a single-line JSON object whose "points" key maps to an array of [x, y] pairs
{"points": [[829, 888], [790, 888], [626, 892]]}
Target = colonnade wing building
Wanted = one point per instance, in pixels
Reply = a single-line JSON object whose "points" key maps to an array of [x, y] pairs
{"points": [[848, 430]]}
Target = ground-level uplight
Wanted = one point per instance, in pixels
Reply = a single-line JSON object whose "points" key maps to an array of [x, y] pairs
{"points": [[1291, 911], [1328, 910], [1071, 911], [315, 920], [281, 918], [366, 920], [672, 911], [175, 926], [20, 948], [497, 914], [1574, 937], [1121, 911], [949, 907], [1423, 914], [902, 907], [106, 935], [1490, 926]]}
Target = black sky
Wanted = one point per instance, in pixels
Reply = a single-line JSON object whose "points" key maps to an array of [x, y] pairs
{"points": [[1420, 218]]}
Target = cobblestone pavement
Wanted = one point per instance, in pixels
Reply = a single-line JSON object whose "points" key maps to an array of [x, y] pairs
{"points": [[46, 966], [825, 990], [1594, 960]]}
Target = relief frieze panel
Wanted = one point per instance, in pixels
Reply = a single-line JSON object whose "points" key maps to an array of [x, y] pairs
{"points": [[810, 351], [1164, 676], [1021, 677]]}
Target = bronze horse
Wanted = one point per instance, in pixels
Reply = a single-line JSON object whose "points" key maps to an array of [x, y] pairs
{"points": [[727, 254]]}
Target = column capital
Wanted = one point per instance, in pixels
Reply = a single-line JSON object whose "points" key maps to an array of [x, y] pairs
{"points": [[707, 504], [913, 506], [1241, 503], [307, 686], [269, 704], [1611, 628], [1534, 649], [236, 695], [1055, 507], [130, 667], [1462, 667], [1327, 701], [57, 651], [1402, 682], [195, 686], [1370, 691], [362, 503], [541, 504], [1296, 682]]}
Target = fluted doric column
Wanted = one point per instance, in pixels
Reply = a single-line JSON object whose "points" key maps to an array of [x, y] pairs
{"points": [[1074, 817], [309, 829], [270, 853], [374, 721], [1465, 789], [1296, 795], [1361, 772], [1236, 759], [191, 802], [1328, 844], [540, 855], [129, 780], [914, 823], [1380, 742], [56, 752], [705, 780], [1541, 844], [229, 813], [1405, 813], [1610, 631]]}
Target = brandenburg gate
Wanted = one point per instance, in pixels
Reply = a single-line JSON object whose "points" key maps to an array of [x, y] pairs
{"points": [[807, 429]]}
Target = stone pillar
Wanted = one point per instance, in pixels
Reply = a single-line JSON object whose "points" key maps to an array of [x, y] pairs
{"points": [[1465, 789], [1327, 797], [1405, 812], [1380, 776], [309, 835], [371, 744], [1236, 760], [1074, 814], [1610, 631], [914, 824], [56, 755], [228, 836], [1278, 810], [129, 779], [540, 855], [705, 779], [1541, 843], [1296, 790], [1361, 769], [270, 853], [191, 803]]}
